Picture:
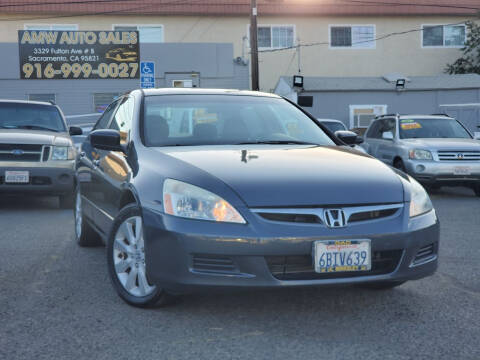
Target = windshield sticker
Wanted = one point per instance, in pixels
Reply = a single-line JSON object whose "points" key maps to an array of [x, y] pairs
{"points": [[410, 126], [403, 121]]}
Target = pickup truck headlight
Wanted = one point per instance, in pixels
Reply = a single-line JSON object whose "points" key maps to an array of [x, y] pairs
{"points": [[63, 153], [420, 202], [418, 154], [189, 201]]}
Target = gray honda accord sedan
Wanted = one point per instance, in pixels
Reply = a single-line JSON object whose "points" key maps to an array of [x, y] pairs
{"points": [[197, 189]]}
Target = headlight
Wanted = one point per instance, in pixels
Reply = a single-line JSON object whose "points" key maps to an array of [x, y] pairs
{"points": [[189, 201], [63, 153], [418, 154], [420, 202]]}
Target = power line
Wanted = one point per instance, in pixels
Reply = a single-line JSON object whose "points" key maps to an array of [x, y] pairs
{"points": [[386, 36]]}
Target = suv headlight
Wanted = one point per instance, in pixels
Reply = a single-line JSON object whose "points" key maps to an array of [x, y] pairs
{"points": [[63, 153], [420, 202], [189, 201], [418, 154]]}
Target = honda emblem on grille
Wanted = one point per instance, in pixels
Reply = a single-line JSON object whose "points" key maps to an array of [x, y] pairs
{"points": [[335, 218], [17, 152], [460, 156]]}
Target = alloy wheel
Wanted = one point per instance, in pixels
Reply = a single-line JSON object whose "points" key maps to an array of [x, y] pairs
{"points": [[129, 258]]}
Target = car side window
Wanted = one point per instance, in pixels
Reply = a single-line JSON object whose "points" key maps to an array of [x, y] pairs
{"points": [[374, 132], [103, 121], [389, 125], [122, 121]]}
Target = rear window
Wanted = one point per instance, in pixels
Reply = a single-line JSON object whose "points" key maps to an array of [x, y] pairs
{"points": [[30, 116]]}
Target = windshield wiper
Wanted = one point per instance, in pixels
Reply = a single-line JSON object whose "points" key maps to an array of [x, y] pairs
{"points": [[277, 142], [36, 127]]}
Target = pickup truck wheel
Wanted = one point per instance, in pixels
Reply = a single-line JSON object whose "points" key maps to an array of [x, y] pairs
{"points": [[126, 261], [84, 233], [398, 164], [66, 201]]}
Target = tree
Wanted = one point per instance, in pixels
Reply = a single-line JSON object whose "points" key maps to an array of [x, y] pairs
{"points": [[469, 63]]}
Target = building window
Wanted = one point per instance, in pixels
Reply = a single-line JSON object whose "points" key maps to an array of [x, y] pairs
{"points": [[102, 100], [182, 83], [443, 35], [362, 115], [42, 97], [275, 36], [53, 27], [148, 33], [352, 36]]}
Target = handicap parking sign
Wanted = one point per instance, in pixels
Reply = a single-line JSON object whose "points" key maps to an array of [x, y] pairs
{"points": [[147, 74]]}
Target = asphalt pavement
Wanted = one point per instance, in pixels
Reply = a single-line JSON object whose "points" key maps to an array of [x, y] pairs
{"points": [[56, 302]]}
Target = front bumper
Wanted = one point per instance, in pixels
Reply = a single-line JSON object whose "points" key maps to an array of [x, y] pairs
{"points": [[49, 178], [443, 172], [183, 256]]}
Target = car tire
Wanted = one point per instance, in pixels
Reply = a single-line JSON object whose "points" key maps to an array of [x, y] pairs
{"points": [[382, 285], [398, 164], [126, 261], [85, 235], [67, 201]]}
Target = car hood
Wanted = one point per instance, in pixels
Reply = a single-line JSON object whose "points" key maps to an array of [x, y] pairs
{"points": [[445, 144], [296, 176], [20, 136]]}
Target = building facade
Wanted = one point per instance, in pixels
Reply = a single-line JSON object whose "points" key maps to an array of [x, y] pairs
{"points": [[357, 100], [336, 38]]}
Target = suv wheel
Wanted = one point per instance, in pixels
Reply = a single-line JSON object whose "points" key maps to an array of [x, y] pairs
{"points": [[126, 261], [84, 233]]}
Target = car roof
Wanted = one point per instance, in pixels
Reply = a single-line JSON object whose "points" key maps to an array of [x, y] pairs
{"points": [[425, 116], [202, 91], [7, 101]]}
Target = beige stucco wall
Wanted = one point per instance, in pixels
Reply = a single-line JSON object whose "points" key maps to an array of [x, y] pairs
{"points": [[402, 53]]}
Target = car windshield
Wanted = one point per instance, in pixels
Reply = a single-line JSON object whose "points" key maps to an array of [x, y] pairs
{"points": [[31, 117], [432, 128], [183, 120], [333, 125]]}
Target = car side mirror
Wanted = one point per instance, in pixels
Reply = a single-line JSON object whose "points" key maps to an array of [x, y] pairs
{"points": [[106, 139], [387, 135], [476, 135], [75, 130], [348, 137]]}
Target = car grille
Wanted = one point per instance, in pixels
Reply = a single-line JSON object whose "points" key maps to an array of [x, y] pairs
{"points": [[24, 152], [459, 155], [301, 267], [353, 214]]}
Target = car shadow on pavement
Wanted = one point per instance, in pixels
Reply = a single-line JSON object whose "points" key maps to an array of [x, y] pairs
{"points": [[27, 202], [452, 192]]}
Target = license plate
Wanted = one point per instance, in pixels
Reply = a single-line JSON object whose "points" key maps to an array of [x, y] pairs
{"points": [[18, 177], [461, 170], [342, 255]]}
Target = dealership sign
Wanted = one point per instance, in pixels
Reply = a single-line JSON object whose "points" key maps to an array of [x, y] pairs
{"points": [[78, 54]]}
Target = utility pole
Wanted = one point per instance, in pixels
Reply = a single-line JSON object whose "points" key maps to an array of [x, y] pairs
{"points": [[254, 44]]}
